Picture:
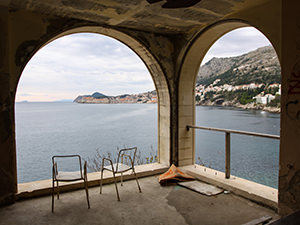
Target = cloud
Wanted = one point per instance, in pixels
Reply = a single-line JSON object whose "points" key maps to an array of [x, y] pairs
{"points": [[24, 94], [83, 63], [237, 42]]}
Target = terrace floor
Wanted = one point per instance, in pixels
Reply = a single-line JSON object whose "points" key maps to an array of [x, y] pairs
{"points": [[155, 205]]}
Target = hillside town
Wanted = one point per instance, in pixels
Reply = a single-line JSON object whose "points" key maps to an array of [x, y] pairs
{"points": [[250, 96]]}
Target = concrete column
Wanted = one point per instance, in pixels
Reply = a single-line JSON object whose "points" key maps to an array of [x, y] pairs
{"points": [[8, 173], [186, 88], [289, 172], [163, 48], [166, 50]]}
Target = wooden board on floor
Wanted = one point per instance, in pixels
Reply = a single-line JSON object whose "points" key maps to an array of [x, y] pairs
{"points": [[261, 220], [201, 187]]}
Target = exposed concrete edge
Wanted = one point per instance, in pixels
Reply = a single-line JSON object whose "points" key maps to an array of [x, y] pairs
{"points": [[44, 187], [259, 193]]}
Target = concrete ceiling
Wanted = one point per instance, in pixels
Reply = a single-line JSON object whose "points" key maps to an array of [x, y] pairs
{"points": [[138, 14]]}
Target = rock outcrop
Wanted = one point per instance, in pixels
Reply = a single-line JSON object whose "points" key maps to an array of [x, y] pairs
{"points": [[99, 98]]}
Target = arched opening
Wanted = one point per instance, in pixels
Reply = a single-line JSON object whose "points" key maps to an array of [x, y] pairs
{"points": [[188, 74], [238, 88], [159, 82]]}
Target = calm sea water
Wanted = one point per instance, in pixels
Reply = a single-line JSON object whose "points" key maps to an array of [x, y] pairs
{"points": [[253, 158], [47, 129]]}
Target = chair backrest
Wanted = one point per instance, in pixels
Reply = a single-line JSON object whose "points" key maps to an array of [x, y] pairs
{"points": [[126, 156], [68, 163]]}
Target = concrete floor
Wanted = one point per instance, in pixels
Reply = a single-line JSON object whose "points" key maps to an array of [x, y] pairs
{"points": [[155, 205]]}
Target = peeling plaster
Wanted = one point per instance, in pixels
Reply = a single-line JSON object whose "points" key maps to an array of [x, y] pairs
{"points": [[291, 196], [24, 51]]}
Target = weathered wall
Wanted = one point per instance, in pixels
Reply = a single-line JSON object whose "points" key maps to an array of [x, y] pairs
{"points": [[289, 172], [188, 74], [7, 136], [21, 36]]}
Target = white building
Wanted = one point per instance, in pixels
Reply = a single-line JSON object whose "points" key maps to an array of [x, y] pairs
{"points": [[264, 99]]}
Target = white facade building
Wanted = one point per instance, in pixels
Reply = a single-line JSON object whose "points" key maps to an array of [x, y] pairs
{"points": [[264, 99]]}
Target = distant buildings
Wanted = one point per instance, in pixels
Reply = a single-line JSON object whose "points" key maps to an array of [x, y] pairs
{"points": [[264, 99], [261, 98]]}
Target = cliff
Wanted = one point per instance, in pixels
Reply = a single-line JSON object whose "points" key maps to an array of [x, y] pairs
{"points": [[249, 81], [258, 66]]}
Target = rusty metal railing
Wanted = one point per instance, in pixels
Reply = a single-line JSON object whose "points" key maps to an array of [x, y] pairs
{"points": [[227, 141]]}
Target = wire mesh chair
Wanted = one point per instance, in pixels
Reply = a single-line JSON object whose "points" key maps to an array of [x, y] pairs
{"points": [[125, 162], [68, 176]]}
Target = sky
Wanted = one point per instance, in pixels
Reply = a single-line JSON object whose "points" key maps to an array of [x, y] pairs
{"points": [[80, 64]]}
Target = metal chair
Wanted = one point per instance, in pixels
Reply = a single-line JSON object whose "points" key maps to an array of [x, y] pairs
{"points": [[62, 162], [125, 162]]}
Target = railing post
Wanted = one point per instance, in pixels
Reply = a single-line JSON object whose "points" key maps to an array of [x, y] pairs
{"points": [[227, 141], [227, 155], [187, 128]]}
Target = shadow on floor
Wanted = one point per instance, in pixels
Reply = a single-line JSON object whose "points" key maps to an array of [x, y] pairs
{"points": [[155, 205]]}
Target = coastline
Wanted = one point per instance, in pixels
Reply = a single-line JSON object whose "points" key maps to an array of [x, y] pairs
{"points": [[113, 103], [250, 106]]}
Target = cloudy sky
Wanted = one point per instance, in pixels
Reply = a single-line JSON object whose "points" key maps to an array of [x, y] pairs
{"points": [[81, 64]]}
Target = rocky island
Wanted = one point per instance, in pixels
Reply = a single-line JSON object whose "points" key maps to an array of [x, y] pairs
{"points": [[99, 98]]}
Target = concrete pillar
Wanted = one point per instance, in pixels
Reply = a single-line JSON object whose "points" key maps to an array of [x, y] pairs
{"points": [[8, 173], [186, 88], [167, 51], [164, 49], [289, 172]]}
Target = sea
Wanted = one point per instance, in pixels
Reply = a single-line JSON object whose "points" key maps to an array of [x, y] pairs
{"points": [[45, 129]]}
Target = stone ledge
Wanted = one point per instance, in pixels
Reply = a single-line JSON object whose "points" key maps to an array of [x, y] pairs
{"points": [[44, 187], [259, 193], [262, 194]]}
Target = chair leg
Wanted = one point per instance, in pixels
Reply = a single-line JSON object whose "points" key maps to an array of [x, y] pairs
{"points": [[57, 189], [116, 186], [52, 196], [87, 192], [101, 181], [137, 180], [121, 179]]}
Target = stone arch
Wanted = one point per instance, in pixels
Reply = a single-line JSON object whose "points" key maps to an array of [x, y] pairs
{"points": [[152, 65], [187, 80]]}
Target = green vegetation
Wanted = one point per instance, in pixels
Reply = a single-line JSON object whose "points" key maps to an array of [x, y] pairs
{"points": [[275, 102], [246, 96], [98, 95], [259, 66], [209, 96], [272, 90], [241, 96], [234, 78]]}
